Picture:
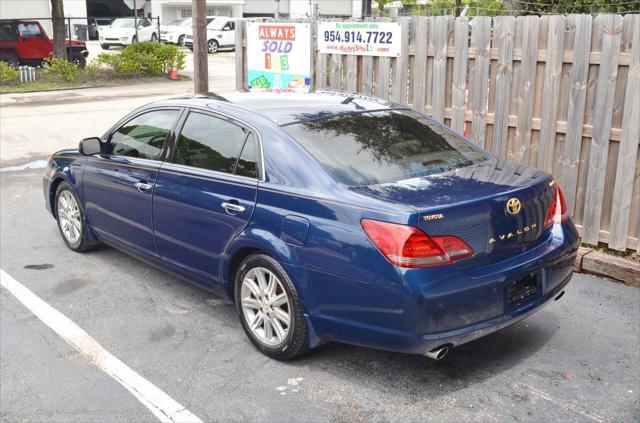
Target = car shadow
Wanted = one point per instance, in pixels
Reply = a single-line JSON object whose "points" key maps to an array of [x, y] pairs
{"points": [[406, 374], [402, 375]]}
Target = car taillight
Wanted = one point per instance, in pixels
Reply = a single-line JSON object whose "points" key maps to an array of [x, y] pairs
{"points": [[557, 212], [408, 246]]}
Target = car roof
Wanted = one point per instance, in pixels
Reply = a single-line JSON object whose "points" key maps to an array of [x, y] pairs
{"points": [[289, 108]]}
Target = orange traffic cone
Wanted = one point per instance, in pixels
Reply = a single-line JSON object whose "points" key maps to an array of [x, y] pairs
{"points": [[173, 75]]}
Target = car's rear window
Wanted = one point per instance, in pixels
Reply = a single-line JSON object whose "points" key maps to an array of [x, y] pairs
{"points": [[382, 147]]}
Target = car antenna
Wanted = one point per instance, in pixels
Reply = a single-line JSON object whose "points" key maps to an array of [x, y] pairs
{"points": [[350, 100], [215, 96]]}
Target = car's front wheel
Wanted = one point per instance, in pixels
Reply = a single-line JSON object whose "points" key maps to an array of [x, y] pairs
{"points": [[181, 40], [269, 308], [105, 46], [154, 38], [70, 219], [212, 46]]}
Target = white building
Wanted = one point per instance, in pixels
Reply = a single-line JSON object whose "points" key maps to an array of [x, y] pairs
{"points": [[169, 10], [29, 9], [304, 8]]}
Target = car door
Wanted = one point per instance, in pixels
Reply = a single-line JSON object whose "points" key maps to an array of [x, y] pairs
{"points": [[34, 43], [118, 185], [206, 194], [229, 34], [144, 30]]}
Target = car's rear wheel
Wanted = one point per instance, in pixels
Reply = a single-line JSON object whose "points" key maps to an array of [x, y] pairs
{"points": [[181, 40], [79, 60], [134, 40], [269, 308], [71, 219], [104, 46], [212, 46], [9, 60], [154, 38]]}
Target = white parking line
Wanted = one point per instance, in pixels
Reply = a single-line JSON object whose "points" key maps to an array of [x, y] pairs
{"points": [[165, 408]]}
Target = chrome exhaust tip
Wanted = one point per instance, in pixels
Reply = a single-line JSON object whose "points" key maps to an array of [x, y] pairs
{"points": [[438, 353]]}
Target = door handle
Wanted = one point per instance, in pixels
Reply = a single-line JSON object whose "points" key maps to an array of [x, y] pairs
{"points": [[143, 186], [231, 207]]}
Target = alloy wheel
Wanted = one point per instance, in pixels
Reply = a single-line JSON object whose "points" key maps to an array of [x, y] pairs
{"points": [[69, 217], [213, 46], [265, 306]]}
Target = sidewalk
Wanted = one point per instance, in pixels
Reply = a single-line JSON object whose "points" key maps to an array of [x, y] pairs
{"points": [[34, 125], [169, 88]]}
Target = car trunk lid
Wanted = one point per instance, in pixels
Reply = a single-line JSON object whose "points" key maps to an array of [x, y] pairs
{"points": [[498, 208]]}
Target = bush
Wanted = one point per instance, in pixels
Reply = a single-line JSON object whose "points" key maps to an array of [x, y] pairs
{"points": [[61, 68], [144, 59], [7, 73]]}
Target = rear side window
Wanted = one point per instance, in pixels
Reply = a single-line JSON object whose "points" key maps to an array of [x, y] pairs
{"points": [[144, 136], [211, 143], [382, 147], [247, 161], [8, 32], [29, 30]]}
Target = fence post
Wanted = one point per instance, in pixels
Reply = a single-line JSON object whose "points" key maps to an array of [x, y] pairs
{"points": [[241, 34]]}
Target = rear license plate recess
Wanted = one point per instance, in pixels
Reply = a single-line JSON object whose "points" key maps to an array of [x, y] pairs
{"points": [[522, 288]]}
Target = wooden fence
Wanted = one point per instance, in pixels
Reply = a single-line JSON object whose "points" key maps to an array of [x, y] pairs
{"points": [[561, 93]]}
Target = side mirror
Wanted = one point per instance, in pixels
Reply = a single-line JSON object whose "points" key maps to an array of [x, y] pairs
{"points": [[90, 146]]}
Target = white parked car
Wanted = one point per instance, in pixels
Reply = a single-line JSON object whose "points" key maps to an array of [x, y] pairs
{"points": [[174, 32], [122, 32], [221, 33]]}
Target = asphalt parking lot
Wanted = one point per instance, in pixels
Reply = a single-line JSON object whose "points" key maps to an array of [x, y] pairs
{"points": [[220, 64], [573, 361]]}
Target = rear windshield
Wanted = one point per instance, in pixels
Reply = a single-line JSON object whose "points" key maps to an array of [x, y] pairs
{"points": [[382, 147]]}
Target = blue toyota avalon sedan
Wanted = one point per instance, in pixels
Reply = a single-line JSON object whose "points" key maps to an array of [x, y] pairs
{"points": [[323, 217]]}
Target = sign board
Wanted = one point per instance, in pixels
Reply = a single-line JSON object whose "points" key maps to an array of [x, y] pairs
{"points": [[360, 38], [279, 56]]}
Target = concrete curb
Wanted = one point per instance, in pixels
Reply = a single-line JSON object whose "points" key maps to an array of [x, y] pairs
{"points": [[607, 265]]}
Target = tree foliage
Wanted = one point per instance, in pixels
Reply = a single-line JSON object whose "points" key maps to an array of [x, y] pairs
{"points": [[576, 6], [515, 7]]}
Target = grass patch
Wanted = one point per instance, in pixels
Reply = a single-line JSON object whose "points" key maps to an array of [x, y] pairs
{"points": [[52, 85], [137, 63]]}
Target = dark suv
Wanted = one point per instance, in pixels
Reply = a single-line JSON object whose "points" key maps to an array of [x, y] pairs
{"points": [[25, 42]]}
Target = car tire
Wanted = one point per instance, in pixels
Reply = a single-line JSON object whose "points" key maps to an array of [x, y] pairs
{"points": [[266, 307], [79, 60], [180, 40], [9, 60], [68, 210], [105, 46], [134, 39], [154, 38], [212, 46]]}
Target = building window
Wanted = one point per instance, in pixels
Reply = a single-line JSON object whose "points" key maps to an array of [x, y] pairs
{"points": [[185, 13]]}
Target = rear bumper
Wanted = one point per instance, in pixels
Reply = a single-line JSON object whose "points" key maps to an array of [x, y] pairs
{"points": [[454, 307]]}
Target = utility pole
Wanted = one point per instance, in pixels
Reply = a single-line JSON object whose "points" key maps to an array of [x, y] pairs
{"points": [[276, 4], [59, 32], [135, 19], [200, 52]]}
